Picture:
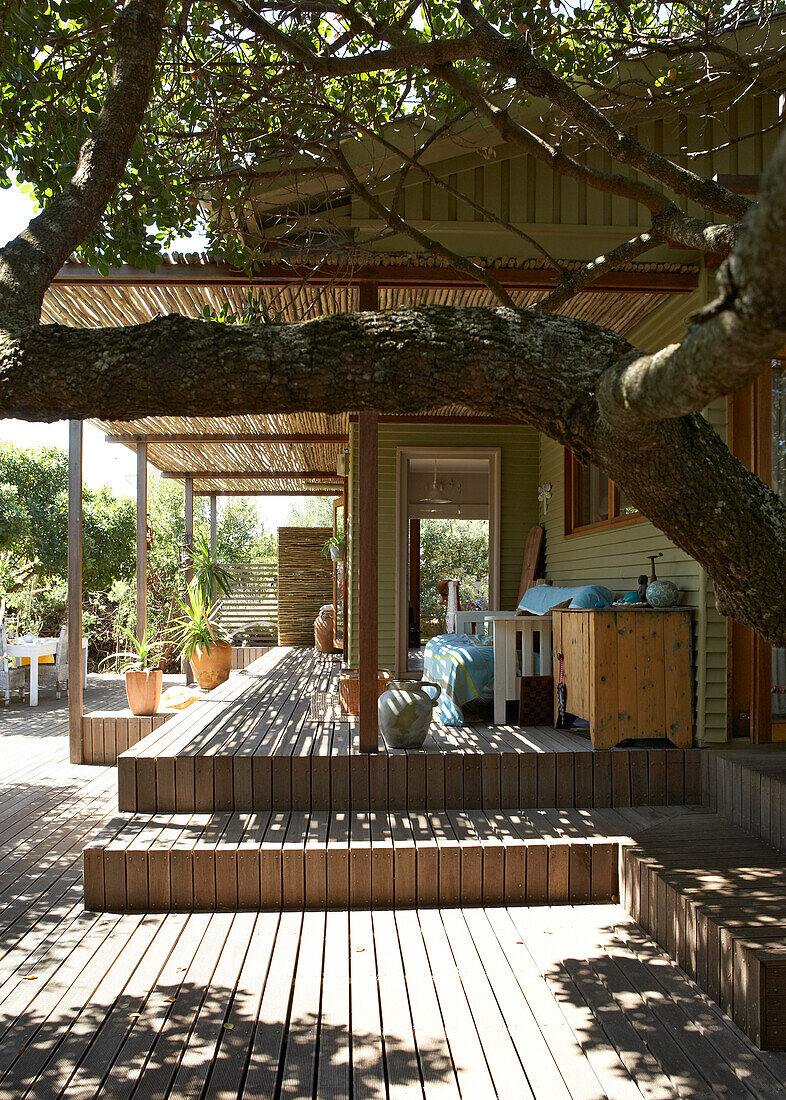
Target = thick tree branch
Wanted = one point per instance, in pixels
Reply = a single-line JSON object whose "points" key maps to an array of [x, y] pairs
{"points": [[30, 261], [731, 340], [405, 56], [503, 363]]}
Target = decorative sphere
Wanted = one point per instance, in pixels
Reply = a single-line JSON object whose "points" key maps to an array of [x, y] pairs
{"points": [[662, 594]]}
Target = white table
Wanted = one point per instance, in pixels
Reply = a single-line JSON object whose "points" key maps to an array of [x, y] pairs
{"points": [[506, 625], [35, 650]]}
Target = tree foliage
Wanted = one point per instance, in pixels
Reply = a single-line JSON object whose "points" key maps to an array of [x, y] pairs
{"points": [[453, 549]]}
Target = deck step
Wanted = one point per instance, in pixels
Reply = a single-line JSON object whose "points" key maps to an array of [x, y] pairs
{"points": [[158, 776], [714, 897], [291, 860], [748, 786]]}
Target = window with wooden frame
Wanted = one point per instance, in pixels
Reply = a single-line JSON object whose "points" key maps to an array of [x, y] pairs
{"points": [[592, 500]]}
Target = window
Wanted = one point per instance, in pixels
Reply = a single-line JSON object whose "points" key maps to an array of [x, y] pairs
{"points": [[592, 500]]}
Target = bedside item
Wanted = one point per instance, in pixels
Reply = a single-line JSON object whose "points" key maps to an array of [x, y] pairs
{"points": [[536, 701]]}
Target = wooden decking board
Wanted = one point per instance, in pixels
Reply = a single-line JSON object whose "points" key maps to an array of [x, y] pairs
{"points": [[187, 976], [283, 985]]}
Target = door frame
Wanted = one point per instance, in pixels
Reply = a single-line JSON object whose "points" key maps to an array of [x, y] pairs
{"points": [[493, 455], [749, 657]]}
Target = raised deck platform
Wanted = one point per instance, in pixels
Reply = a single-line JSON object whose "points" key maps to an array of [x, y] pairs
{"points": [[254, 744]]}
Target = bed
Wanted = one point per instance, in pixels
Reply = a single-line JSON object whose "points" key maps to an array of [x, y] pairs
{"points": [[463, 666]]}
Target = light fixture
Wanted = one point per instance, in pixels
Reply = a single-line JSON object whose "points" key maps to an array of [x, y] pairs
{"points": [[436, 492]]}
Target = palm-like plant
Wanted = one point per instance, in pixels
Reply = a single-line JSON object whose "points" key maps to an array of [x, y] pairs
{"points": [[195, 627], [144, 655], [210, 577]]}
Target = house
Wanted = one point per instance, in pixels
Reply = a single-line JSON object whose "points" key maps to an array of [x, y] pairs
{"points": [[592, 535]]}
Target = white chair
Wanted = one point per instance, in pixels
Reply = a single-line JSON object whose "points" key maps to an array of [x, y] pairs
{"points": [[11, 679], [57, 674]]}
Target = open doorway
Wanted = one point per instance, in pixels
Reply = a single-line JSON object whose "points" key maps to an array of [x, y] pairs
{"points": [[448, 504]]}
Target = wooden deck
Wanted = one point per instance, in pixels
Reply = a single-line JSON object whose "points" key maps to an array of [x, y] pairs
{"points": [[565, 1002], [255, 744]]}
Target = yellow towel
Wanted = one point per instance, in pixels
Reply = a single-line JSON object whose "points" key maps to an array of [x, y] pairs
{"points": [[178, 698]]}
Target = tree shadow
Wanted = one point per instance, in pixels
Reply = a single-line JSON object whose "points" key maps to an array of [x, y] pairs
{"points": [[186, 1039]]}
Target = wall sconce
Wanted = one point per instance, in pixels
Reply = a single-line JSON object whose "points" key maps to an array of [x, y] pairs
{"points": [[544, 495]]}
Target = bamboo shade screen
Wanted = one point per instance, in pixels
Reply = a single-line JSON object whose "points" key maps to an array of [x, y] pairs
{"points": [[305, 582]]}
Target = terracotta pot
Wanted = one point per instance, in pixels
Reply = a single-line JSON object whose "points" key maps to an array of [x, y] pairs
{"points": [[144, 690], [213, 668]]}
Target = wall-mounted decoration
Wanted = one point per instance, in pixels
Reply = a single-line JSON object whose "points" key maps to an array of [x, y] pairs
{"points": [[544, 495]]}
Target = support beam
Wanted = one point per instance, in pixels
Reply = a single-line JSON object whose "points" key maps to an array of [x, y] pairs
{"points": [[328, 491], [192, 440], [141, 540], [648, 277], [213, 529], [259, 475], [368, 659], [189, 540], [213, 521], [75, 685]]}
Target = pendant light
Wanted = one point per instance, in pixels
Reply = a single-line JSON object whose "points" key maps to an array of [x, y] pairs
{"points": [[436, 492]]}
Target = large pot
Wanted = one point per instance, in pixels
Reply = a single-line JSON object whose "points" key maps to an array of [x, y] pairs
{"points": [[213, 668], [405, 710], [143, 689]]}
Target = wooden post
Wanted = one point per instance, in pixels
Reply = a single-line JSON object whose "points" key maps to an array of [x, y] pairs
{"points": [[75, 685], [141, 540], [189, 540], [414, 570], [213, 529], [213, 521], [368, 581]]}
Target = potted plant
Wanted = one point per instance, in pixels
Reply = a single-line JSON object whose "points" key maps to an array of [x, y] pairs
{"points": [[335, 548], [204, 644], [143, 676]]}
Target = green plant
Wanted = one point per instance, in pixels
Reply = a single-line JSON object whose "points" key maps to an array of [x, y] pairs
{"points": [[144, 655], [339, 541], [212, 579], [194, 628]]}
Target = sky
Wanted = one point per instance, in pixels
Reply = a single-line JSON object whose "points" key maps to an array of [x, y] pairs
{"points": [[103, 463]]}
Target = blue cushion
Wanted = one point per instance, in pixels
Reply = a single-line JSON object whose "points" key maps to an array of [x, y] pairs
{"points": [[541, 599]]}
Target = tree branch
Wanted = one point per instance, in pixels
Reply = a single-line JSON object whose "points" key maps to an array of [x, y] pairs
{"points": [[732, 339], [30, 261], [405, 56], [399, 224]]}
